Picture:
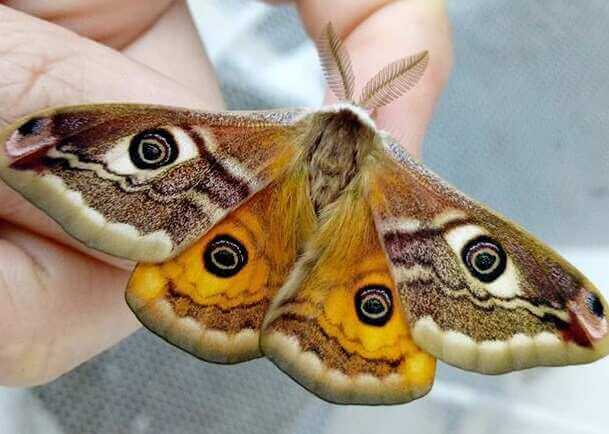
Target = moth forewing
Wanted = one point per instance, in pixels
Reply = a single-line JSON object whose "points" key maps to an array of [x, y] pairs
{"points": [[143, 182], [481, 293]]}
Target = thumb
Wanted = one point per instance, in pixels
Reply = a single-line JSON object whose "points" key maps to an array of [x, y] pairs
{"points": [[377, 33]]}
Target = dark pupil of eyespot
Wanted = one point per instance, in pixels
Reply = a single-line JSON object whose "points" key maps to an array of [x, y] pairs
{"points": [[484, 261], [373, 304], [595, 305], [151, 151], [484, 258], [225, 256]]}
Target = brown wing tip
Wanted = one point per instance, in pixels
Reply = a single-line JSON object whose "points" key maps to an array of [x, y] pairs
{"points": [[588, 326], [29, 141]]}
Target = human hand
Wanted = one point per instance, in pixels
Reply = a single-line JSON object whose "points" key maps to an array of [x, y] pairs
{"points": [[63, 303]]}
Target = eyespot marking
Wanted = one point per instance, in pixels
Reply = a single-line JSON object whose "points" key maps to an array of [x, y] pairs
{"points": [[119, 159], [374, 304], [506, 284], [153, 149], [484, 258], [225, 256]]}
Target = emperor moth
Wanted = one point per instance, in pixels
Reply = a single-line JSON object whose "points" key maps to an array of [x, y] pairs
{"points": [[308, 236]]}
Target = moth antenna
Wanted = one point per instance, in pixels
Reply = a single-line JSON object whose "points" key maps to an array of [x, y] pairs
{"points": [[336, 64], [393, 81]]}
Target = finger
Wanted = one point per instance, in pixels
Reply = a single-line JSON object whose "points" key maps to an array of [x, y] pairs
{"points": [[377, 32], [158, 33], [58, 308], [115, 23], [173, 47], [44, 65]]}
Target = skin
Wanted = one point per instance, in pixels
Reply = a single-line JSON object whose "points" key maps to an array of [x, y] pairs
{"points": [[62, 303]]}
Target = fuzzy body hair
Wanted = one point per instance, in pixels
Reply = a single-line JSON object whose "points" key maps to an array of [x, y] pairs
{"points": [[336, 144]]}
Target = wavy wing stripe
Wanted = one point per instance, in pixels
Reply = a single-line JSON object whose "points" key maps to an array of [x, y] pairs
{"points": [[224, 188]]}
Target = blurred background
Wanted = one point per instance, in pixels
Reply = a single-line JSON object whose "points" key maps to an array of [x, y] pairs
{"points": [[522, 126]]}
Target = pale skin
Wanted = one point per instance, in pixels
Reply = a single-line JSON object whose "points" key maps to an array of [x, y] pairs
{"points": [[62, 303]]}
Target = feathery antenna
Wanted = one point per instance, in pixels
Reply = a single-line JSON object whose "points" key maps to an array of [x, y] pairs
{"points": [[336, 64], [393, 80]]}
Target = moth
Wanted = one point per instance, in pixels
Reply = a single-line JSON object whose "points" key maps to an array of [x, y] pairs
{"points": [[307, 236]]}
